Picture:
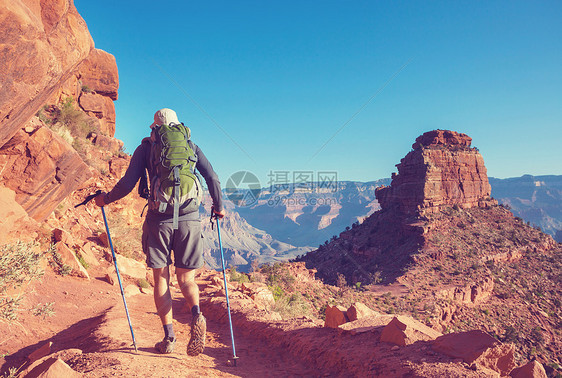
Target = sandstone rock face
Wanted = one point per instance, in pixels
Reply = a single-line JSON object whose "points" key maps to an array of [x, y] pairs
{"points": [[46, 56], [471, 294], [42, 169], [442, 170], [41, 44], [14, 221], [98, 73]]}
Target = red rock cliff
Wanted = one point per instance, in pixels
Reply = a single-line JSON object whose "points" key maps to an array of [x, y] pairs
{"points": [[46, 56], [441, 170]]}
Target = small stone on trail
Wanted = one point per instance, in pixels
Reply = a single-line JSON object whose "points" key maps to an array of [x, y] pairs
{"points": [[396, 347], [229, 363], [41, 352]]}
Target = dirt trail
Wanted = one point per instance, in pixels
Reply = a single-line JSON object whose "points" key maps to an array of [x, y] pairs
{"points": [[119, 358], [95, 322]]}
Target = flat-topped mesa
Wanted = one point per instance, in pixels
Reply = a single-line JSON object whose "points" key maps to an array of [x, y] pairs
{"points": [[441, 171]]}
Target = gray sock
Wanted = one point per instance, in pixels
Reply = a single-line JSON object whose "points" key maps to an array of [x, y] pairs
{"points": [[169, 331], [195, 310]]}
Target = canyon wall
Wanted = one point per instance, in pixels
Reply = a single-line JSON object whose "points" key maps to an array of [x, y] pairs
{"points": [[47, 56]]}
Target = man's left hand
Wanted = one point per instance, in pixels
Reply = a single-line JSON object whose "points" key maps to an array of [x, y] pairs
{"points": [[219, 214]]}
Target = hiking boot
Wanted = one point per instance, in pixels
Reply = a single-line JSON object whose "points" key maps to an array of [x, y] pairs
{"points": [[198, 333], [166, 346]]}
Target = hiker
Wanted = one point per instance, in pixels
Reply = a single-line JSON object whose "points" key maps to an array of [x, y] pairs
{"points": [[172, 222]]}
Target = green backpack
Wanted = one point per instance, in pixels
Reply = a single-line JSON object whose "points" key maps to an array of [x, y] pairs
{"points": [[173, 161]]}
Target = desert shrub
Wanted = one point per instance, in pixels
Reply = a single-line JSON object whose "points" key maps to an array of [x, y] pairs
{"points": [[341, 282], [290, 306], [236, 276], [56, 262], [19, 265], [511, 335], [82, 261], [143, 283], [44, 310], [536, 336], [73, 119], [376, 277], [277, 274], [277, 292]]}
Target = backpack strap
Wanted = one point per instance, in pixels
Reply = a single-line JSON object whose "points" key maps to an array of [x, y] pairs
{"points": [[194, 157], [176, 211]]}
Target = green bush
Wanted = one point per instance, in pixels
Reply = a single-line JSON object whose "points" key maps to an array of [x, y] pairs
{"points": [[73, 119], [143, 283], [238, 277]]}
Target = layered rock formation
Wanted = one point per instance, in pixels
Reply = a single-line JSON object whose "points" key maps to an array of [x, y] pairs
{"points": [[41, 168], [48, 56], [441, 170]]}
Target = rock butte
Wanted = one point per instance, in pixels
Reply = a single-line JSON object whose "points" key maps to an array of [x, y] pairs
{"points": [[441, 170]]}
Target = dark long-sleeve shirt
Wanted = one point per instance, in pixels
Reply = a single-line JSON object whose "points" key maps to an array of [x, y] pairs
{"points": [[140, 162]]}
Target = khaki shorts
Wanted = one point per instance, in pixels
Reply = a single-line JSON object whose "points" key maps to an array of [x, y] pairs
{"points": [[159, 240]]}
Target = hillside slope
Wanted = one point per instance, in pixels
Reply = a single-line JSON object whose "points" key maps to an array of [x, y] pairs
{"points": [[451, 257]]}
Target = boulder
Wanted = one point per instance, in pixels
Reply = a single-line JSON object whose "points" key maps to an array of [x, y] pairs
{"points": [[130, 267], [335, 316], [532, 369], [54, 368], [60, 235], [131, 290], [477, 347], [111, 276], [103, 239], [118, 165], [359, 311], [259, 293], [367, 324], [42, 351], [69, 258], [402, 331], [108, 144], [88, 255], [15, 224]]}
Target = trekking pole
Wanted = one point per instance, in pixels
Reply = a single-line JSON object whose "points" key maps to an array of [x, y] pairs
{"points": [[234, 357], [88, 199]]}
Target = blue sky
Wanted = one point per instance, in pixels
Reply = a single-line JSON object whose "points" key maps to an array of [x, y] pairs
{"points": [[264, 85]]}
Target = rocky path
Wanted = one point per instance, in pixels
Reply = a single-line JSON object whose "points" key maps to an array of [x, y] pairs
{"points": [[101, 346], [119, 358]]}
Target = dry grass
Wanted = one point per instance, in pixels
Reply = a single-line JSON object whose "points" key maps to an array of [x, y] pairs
{"points": [[19, 265]]}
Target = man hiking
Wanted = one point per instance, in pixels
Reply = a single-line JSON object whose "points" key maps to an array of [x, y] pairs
{"points": [[172, 222]]}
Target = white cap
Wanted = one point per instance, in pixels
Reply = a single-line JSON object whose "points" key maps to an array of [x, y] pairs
{"points": [[164, 117]]}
